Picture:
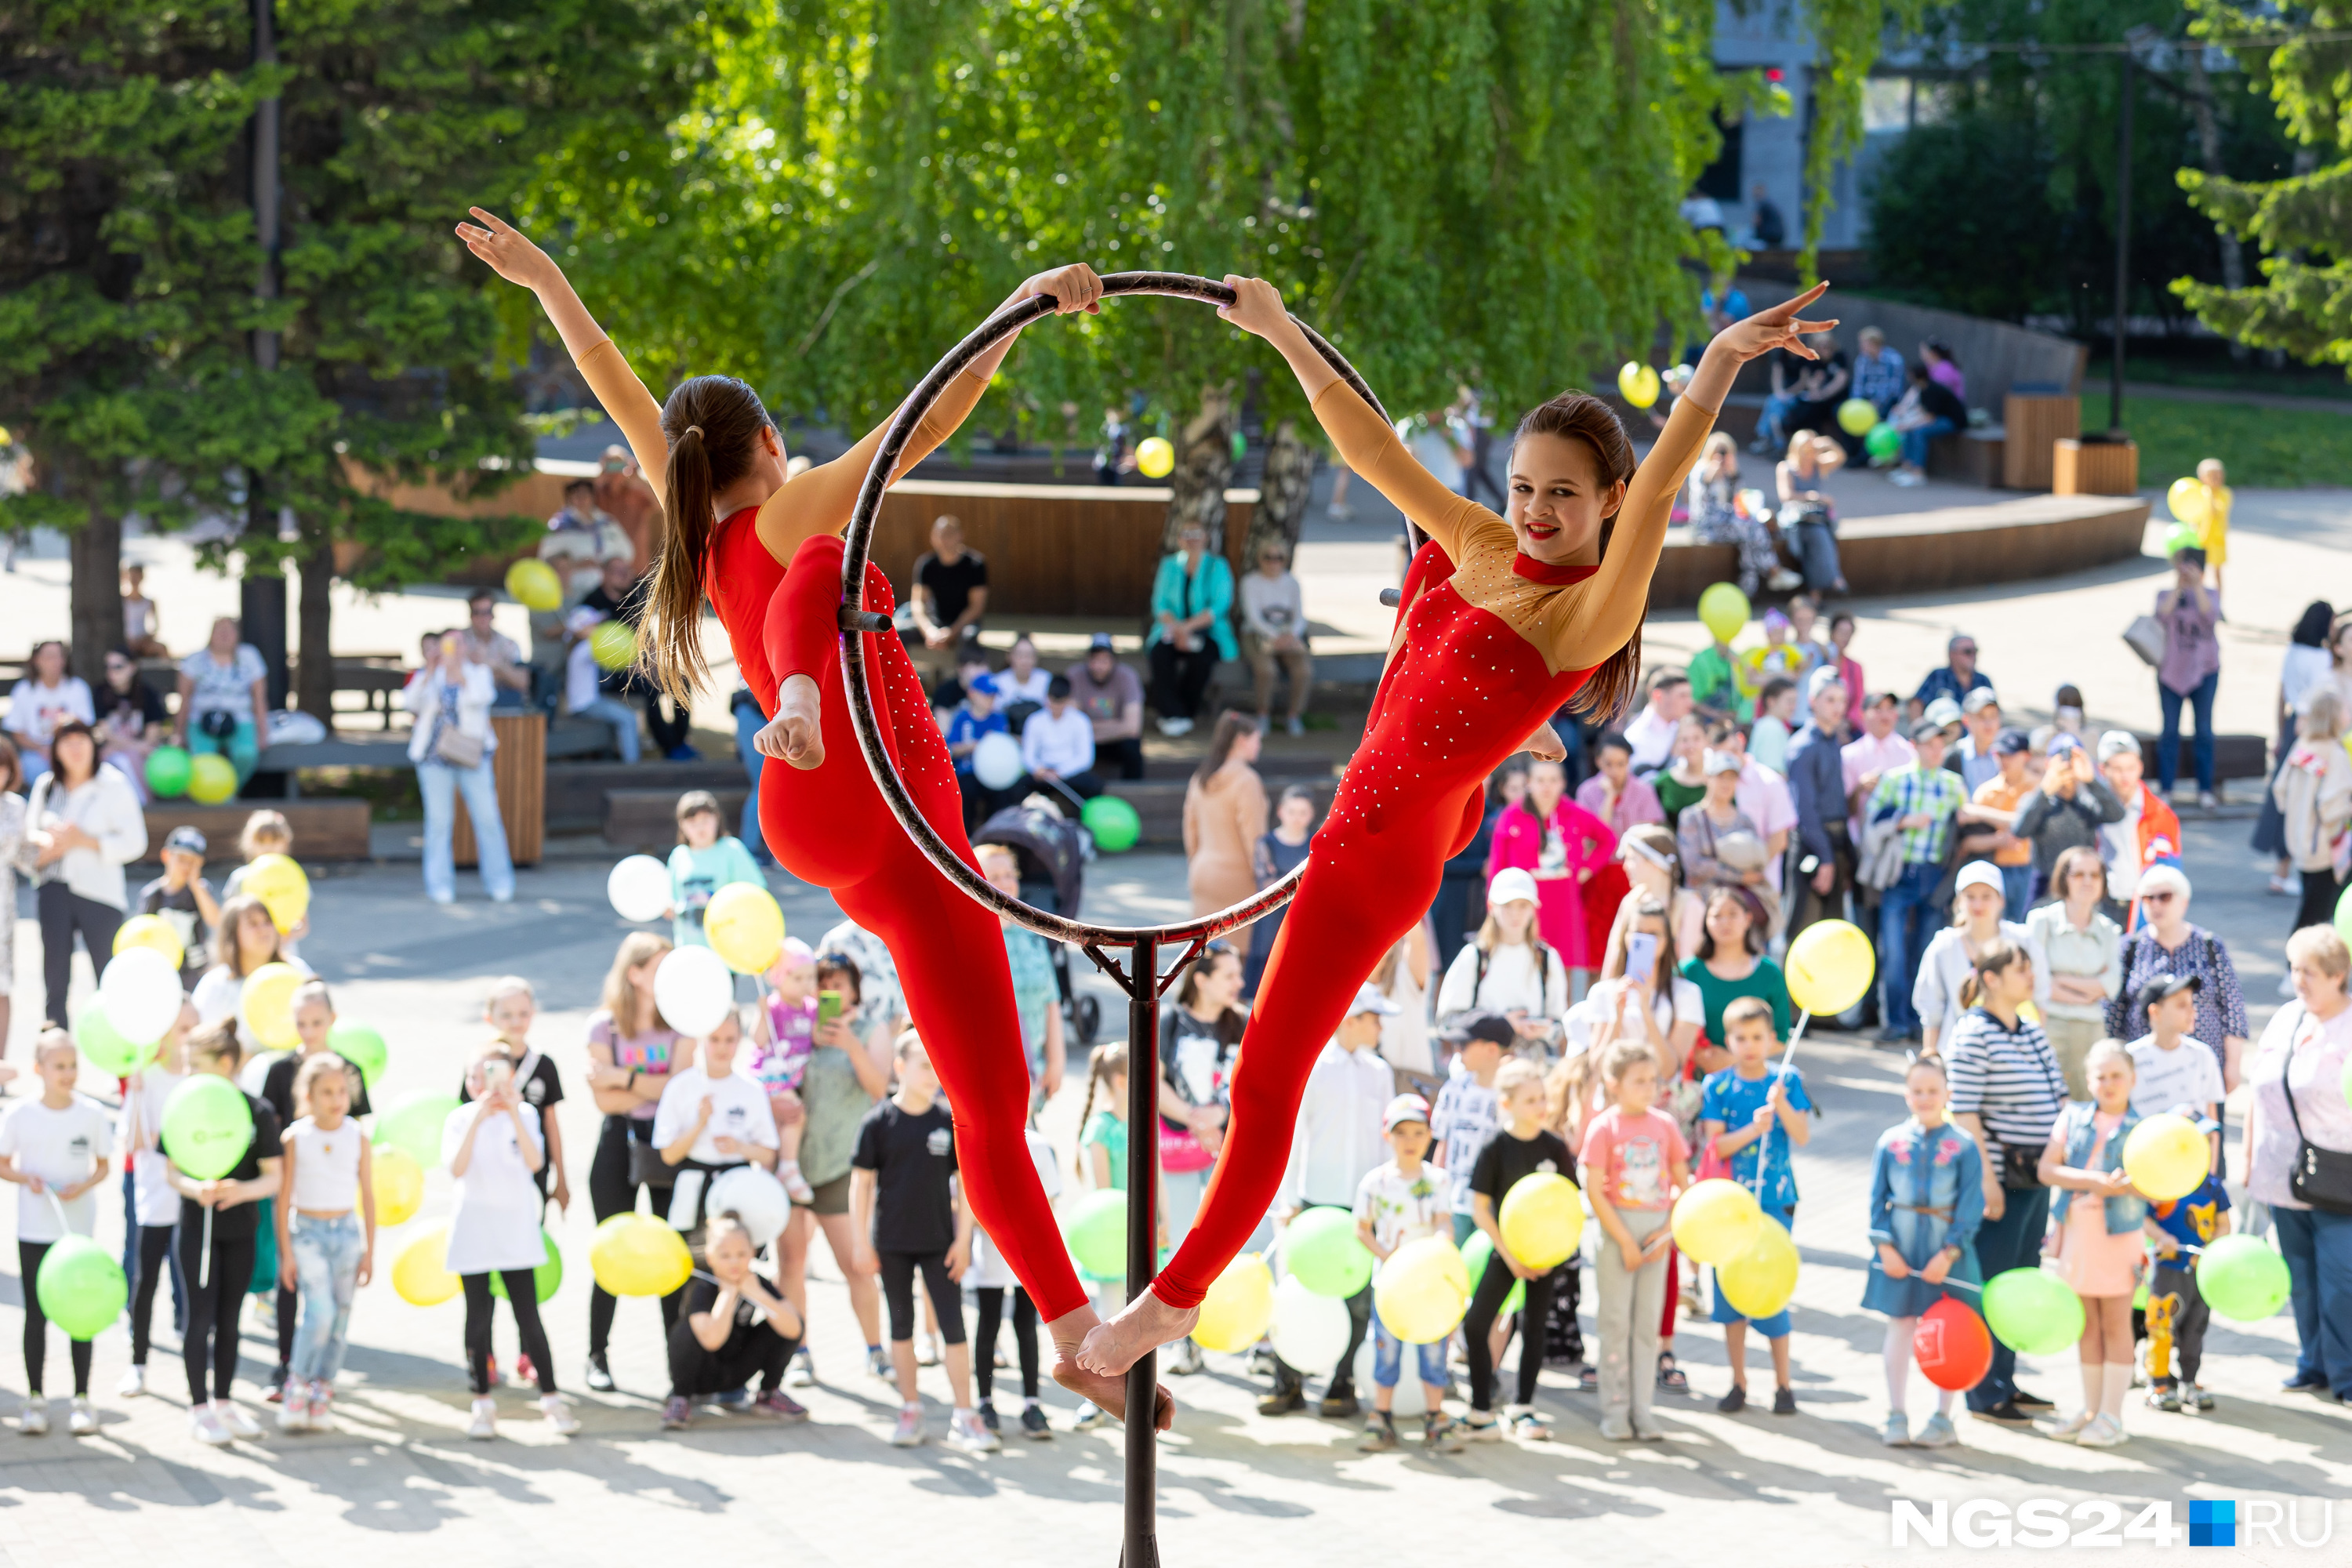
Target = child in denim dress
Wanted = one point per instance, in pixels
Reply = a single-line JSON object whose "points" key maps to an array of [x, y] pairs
{"points": [[1926, 1200]]}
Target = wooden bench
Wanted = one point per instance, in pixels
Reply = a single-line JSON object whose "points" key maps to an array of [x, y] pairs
{"points": [[1970, 457], [324, 830], [646, 819], [2234, 756]]}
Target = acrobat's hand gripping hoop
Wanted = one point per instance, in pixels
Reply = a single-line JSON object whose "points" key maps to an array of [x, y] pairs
{"points": [[1140, 978]]}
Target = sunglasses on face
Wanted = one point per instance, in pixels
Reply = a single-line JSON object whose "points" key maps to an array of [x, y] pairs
{"points": [[2160, 897]]}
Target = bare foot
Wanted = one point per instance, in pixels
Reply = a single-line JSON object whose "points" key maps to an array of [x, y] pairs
{"points": [[1110, 1392], [796, 734], [1143, 1324]]}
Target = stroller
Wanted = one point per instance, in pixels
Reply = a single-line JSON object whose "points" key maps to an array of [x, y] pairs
{"points": [[1052, 851]]}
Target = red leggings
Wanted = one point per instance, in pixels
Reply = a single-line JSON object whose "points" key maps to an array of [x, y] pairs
{"points": [[828, 825]]}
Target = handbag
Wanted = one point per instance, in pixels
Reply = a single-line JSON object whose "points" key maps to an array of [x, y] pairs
{"points": [[2321, 1177], [457, 749], [2145, 637], [1182, 1152], [647, 1168], [2021, 1167]]}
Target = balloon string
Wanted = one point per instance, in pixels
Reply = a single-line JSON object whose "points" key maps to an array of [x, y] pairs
{"points": [[59, 1205], [1788, 1060], [204, 1264]]}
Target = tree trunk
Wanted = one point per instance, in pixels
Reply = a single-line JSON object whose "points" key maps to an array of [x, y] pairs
{"points": [[315, 678], [1204, 467], [2208, 148], [95, 555], [1282, 495]]}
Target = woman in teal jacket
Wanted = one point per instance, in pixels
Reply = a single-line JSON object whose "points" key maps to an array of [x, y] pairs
{"points": [[1192, 628]]}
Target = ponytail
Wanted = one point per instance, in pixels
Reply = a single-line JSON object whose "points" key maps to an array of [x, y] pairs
{"points": [[1608, 691], [1110, 1061], [1991, 958], [713, 425]]}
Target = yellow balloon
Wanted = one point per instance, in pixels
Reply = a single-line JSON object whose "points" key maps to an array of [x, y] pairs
{"points": [[2166, 1157], [1637, 383], [1759, 1281], [1542, 1219], [1236, 1312], [2189, 501], [1723, 610], [1716, 1221], [1422, 1290], [744, 927], [613, 645], [533, 585], [399, 1186], [150, 930], [267, 1004], [279, 882], [1155, 458], [1829, 967], [212, 779], [637, 1255], [421, 1273]]}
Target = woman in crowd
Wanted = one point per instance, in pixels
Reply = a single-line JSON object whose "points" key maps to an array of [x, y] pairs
{"points": [[2305, 662], [2190, 672], [245, 938], [224, 699], [1508, 968], [1225, 814], [2313, 793], [84, 826], [1977, 901], [1278, 851], [1199, 1035], [1682, 782], [46, 697], [1563, 845], [1729, 964], [1021, 684], [1192, 628], [1654, 866], [1651, 1003], [1403, 977], [1717, 517], [451, 744], [2168, 944], [632, 1051], [1719, 844], [12, 845], [131, 721], [1808, 515], [1612, 793], [2082, 952], [2298, 1076]]}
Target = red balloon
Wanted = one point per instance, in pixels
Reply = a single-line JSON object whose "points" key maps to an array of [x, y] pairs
{"points": [[1952, 1345]]}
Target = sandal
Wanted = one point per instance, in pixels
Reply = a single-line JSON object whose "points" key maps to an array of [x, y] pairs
{"points": [[1670, 1377]]}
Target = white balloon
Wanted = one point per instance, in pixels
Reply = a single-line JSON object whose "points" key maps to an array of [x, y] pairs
{"points": [[758, 1199], [1309, 1331], [1410, 1398], [996, 761], [693, 989], [140, 994], [639, 888]]}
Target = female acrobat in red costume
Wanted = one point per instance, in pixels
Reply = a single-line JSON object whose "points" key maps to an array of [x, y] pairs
{"points": [[1519, 615], [766, 550]]}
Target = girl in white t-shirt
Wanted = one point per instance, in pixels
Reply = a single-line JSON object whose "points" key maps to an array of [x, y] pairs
{"points": [[711, 1117], [1646, 1000], [988, 1279], [326, 1234], [154, 1202], [492, 1146], [54, 1149]]}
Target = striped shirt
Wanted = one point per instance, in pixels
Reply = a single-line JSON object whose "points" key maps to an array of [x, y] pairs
{"points": [[1913, 790], [2007, 1077]]}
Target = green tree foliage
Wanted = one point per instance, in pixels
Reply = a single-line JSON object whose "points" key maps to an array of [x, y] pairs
{"points": [[2303, 223]]}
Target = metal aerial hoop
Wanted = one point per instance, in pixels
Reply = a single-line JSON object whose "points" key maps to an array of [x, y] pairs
{"points": [[1141, 977]]}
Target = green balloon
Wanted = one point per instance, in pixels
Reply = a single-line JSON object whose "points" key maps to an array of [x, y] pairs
{"points": [[413, 1125], [168, 770], [207, 1127], [1097, 1235], [362, 1048], [544, 1280], [1320, 1250], [1476, 1253], [2033, 1311], [1882, 440], [2179, 537], [2241, 1279], [104, 1045], [80, 1287], [1113, 822], [2343, 923]]}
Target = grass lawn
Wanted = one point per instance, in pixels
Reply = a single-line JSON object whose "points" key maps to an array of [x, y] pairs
{"points": [[2220, 374], [2261, 447]]}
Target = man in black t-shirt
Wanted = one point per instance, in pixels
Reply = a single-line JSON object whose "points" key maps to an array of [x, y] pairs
{"points": [[950, 594]]}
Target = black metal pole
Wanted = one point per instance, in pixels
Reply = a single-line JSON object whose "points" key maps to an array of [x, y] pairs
{"points": [[1141, 1547], [261, 592], [2123, 253]]}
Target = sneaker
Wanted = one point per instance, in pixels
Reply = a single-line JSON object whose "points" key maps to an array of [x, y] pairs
{"points": [[1784, 1402], [2305, 1382], [909, 1431], [1938, 1433], [239, 1424], [2072, 1429], [2026, 1401], [204, 1427], [2164, 1396], [877, 1364], [322, 1404], [34, 1420], [1441, 1433], [1896, 1433], [1645, 1433], [1188, 1360], [678, 1412], [780, 1405], [524, 1372], [2005, 1414], [1785, 581], [1339, 1401], [1380, 1435], [1282, 1401], [1480, 1426], [1588, 1379], [802, 1373], [1176, 727], [1091, 1419], [1615, 1428], [485, 1424], [133, 1383], [558, 1411], [988, 1417], [682, 753], [80, 1419], [277, 1392], [2106, 1432], [2284, 887], [1525, 1424], [2208, 801], [1034, 1425], [928, 1350], [1296, 726], [1261, 1360], [966, 1431], [293, 1405], [796, 1186], [2193, 1393], [600, 1374], [1733, 1403]]}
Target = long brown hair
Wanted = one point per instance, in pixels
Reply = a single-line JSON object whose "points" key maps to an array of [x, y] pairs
{"points": [[1231, 724], [1991, 958], [712, 424], [231, 929], [1579, 416], [634, 1011]]}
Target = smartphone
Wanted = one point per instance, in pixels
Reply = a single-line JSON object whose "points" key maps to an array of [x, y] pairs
{"points": [[497, 1072], [828, 1007], [1641, 956]]}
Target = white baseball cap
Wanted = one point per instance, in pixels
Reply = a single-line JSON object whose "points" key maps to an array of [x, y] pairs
{"points": [[1978, 874], [1511, 882], [1371, 999], [1404, 1108]]}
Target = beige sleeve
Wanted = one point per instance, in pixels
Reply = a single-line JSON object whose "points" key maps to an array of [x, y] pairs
{"points": [[633, 409], [1372, 450], [1610, 604], [820, 499]]}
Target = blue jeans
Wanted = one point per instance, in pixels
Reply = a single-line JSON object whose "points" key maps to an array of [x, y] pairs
{"points": [[2012, 1241], [1770, 426], [441, 784], [1388, 1357], [749, 722], [327, 1274], [2168, 744], [1915, 442], [621, 716], [1816, 552], [2318, 1251], [1904, 916], [2016, 892]]}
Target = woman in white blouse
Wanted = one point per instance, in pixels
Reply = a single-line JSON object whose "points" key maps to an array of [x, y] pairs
{"points": [[1021, 681], [2082, 950], [1978, 900], [1507, 969], [451, 742], [83, 825], [1403, 978], [46, 698]]}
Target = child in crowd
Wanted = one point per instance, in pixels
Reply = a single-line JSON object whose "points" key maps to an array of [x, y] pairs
{"points": [[731, 1327], [184, 900], [972, 720], [55, 1150], [155, 1207], [1776, 722], [712, 1117], [245, 940], [793, 1011], [2170, 1065], [1635, 1162], [1102, 1158], [1751, 1115], [1926, 1200], [2177, 1313], [904, 1199], [218, 1274], [511, 1009], [990, 1278], [267, 832], [1717, 682], [1524, 1147], [1399, 1201], [314, 1020], [1278, 851], [326, 1231], [2213, 533], [705, 860], [2098, 1219], [495, 1148], [1036, 992], [1466, 1116]]}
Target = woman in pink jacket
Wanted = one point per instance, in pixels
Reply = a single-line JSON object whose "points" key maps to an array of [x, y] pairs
{"points": [[1563, 844]]}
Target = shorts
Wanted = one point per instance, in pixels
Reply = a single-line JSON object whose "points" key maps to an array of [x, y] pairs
{"points": [[1722, 1311], [830, 1197], [1388, 1357]]}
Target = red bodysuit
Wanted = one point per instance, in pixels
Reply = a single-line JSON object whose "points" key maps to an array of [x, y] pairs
{"points": [[1484, 651], [828, 825]]}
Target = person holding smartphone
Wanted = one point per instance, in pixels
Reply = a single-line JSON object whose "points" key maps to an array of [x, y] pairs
{"points": [[1640, 997]]}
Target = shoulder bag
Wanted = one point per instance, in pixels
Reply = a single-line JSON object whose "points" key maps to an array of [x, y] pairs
{"points": [[2321, 1177], [2145, 637]]}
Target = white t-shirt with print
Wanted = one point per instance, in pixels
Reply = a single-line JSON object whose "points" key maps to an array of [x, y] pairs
{"points": [[739, 1110], [1403, 1210], [152, 1199], [62, 1147], [2189, 1073]]}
